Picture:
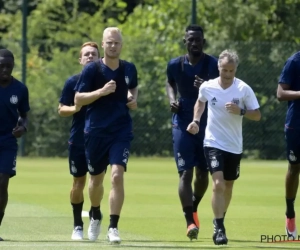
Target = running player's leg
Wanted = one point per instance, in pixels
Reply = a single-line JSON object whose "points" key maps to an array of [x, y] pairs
{"points": [[215, 162], [97, 160], [8, 158], [201, 176], [118, 158], [292, 180], [184, 153], [231, 172], [78, 169]]}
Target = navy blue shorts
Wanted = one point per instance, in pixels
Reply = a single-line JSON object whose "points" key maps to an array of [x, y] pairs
{"points": [[8, 155], [103, 151], [77, 161], [188, 150], [292, 139]]}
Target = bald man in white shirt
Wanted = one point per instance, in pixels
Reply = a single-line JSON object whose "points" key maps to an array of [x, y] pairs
{"points": [[229, 100]]}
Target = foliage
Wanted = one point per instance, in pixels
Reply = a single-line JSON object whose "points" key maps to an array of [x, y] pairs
{"points": [[263, 32]]}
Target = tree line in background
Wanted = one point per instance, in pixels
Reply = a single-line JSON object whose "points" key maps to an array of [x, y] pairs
{"points": [[264, 33]]}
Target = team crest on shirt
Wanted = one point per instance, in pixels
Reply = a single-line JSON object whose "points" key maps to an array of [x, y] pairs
{"points": [[127, 79], [14, 99], [236, 101]]}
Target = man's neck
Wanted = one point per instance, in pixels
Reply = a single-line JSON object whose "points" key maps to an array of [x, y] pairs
{"points": [[225, 85], [193, 60], [112, 63], [4, 84]]}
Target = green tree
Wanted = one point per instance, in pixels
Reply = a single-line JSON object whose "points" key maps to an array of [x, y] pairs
{"points": [[263, 32], [253, 28]]}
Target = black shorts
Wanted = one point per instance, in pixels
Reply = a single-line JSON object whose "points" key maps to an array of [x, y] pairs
{"points": [[219, 160]]}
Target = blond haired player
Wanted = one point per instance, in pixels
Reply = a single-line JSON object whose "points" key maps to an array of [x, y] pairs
{"points": [[109, 88]]}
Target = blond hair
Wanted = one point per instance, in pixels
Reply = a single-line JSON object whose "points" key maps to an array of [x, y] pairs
{"points": [[230, 55], [110, 30], [91, 44]]}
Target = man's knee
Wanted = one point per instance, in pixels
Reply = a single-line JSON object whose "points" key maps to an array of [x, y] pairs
{"points": [[79, 183], [218, 182], [229, 185], [117, 175], [201, 175], [219, 186], [186, 176], [96, 180]]}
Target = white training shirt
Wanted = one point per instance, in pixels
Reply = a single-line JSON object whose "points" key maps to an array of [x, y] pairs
{"points": [[224, 130]]}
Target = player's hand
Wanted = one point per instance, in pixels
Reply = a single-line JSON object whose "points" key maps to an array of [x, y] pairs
{"points": [[131, 104], [193, 128], [18, 131], [198, 81], [232, 108], [109, 88], [174, 107]]}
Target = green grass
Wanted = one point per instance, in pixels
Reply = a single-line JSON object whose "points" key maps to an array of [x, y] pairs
{"points": [[39, 216]]}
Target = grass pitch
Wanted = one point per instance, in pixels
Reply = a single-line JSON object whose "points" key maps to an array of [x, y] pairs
{"points": [[39, 214]]}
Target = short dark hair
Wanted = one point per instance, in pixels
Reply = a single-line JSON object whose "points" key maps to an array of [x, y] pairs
{"points": [[6, 53], [194, 27]]}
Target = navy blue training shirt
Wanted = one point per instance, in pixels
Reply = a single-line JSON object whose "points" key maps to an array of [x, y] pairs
{"points": [[108, 114], [14, 100], [290, 75], [67, 98], [188, 94]]}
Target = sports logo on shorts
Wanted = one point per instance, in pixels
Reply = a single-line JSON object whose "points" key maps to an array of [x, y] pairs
{"points": [[214, 162], [238, 170], [14, 164], [292, 156], [125, 155], [180, 161], [90, 167], [73, 168], [127, 79], [14, 99]]}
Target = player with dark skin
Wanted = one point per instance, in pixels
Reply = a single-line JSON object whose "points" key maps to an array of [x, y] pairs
{"points": [[194, 63], [289, 90], [194, 42], [8, 131]]}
